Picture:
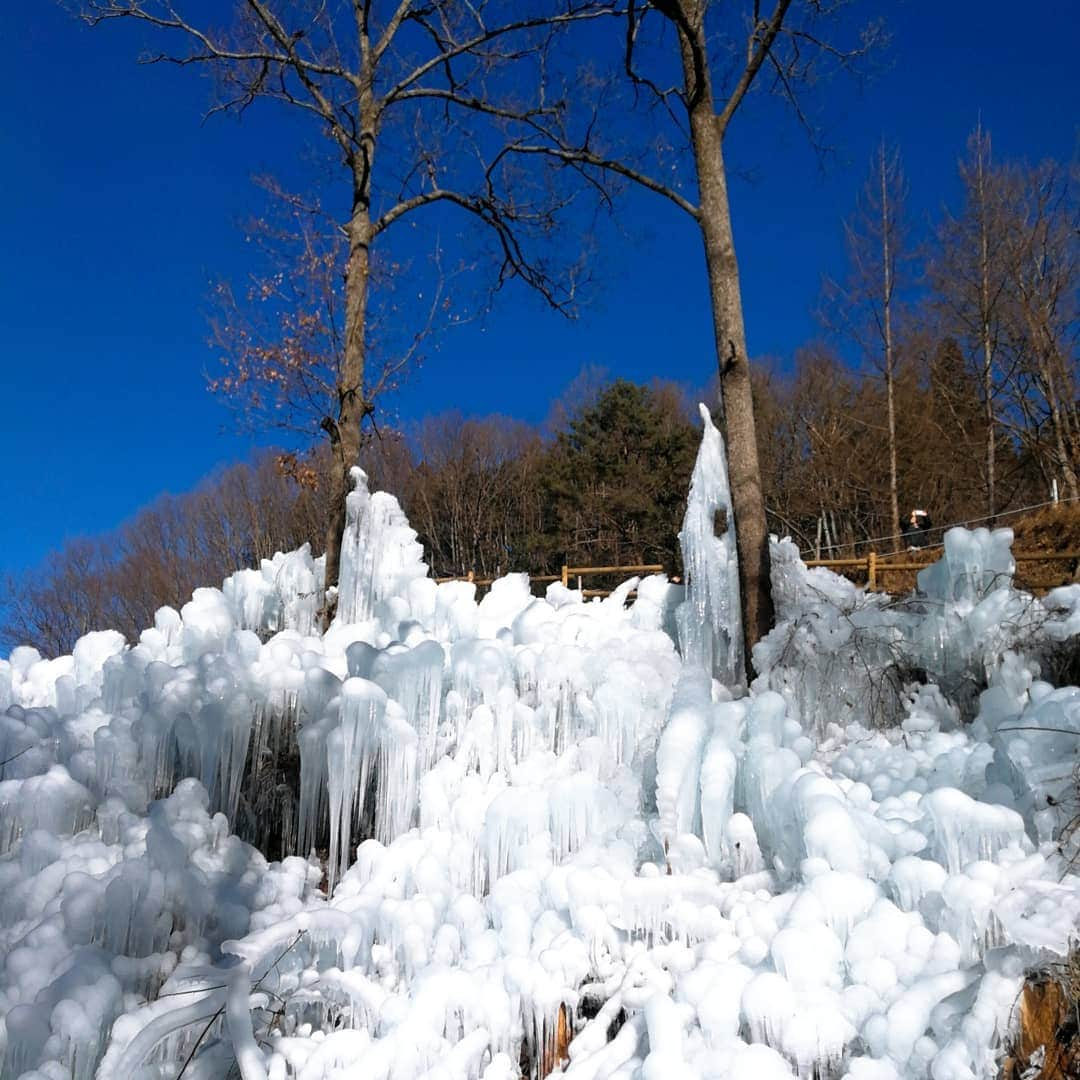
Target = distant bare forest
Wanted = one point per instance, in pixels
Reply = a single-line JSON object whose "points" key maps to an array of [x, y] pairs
{"points": [[604, 481]]}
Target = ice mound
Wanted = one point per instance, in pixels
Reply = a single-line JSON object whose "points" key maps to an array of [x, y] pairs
{"points": [[973, 564], [838, 653], [285, 593], [527, 836]]}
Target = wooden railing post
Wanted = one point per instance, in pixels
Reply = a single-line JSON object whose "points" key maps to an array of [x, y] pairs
{"points": [[565, 575], [871, 571]]}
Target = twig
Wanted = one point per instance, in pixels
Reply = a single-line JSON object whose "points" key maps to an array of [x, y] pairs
{"points": [[255, 986], [1039, 727], [14, 757]]}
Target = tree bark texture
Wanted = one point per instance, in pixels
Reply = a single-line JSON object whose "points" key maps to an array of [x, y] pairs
{"points": [[345, 436], [747, 495], [887, 256], [984, 327]]}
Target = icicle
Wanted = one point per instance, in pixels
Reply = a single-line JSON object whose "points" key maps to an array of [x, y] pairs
{"points": [[350, 751], [678, 757], [314, 780], [320, 714], [514, 820], [619, 714], [397, 791], [413, 678], [718, 772], [580, 809], [963, 830], [710, 620]]}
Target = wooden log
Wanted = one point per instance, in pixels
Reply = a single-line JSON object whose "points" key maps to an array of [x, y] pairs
{"points": [[1040, 1019]]}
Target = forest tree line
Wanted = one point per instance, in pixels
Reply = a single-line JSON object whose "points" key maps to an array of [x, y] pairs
{"points": [[945, 378]]}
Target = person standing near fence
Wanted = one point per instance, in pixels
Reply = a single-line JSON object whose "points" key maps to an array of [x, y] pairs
{"points": [[917, 532]]}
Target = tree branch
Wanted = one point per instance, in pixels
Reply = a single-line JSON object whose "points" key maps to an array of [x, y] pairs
{"points": [[762, 39], [451, 51], [587, 157]]}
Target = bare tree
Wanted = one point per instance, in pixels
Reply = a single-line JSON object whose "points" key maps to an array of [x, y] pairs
{"points": [[473, 495], [418, 105], [864, 307], [969, 279], [1042, 250], [232, 519]]}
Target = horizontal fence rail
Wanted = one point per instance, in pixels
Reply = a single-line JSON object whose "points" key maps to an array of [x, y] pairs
{"points": [[569, 573], [876, 569]]}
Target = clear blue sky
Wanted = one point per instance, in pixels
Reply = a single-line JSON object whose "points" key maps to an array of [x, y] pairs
{"points": [[120, 206]]}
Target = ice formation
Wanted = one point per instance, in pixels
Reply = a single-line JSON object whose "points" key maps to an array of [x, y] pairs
{"points": [[448, 837], [380, 556], [710, 622]]}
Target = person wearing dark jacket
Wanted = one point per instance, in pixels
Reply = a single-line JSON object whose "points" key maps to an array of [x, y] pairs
{"points": [[917, 532]]}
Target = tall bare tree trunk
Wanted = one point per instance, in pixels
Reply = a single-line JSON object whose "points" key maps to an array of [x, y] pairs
{"points": [[344, 430], [984, 327], [747, 496], [991, 430], [1058, 422], [887, 255]]}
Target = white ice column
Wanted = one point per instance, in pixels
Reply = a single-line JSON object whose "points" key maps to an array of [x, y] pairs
{"points": [[710, 620], [380, 555]]}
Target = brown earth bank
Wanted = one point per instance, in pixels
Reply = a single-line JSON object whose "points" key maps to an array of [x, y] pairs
{"points": [[1046, 1040]]}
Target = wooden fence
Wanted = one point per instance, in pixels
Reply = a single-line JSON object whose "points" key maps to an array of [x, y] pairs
{"points": [[876, 568], [572, 573], [878, 571]]}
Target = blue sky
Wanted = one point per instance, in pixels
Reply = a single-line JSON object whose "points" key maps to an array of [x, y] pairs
{"points": [[120, 206]]}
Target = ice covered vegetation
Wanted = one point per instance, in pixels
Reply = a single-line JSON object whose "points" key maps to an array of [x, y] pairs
{"points": [[457, 839]]}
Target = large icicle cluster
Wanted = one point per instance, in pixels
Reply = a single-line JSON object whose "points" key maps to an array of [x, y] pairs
{"points": [[500, 824], [380, 556]]}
